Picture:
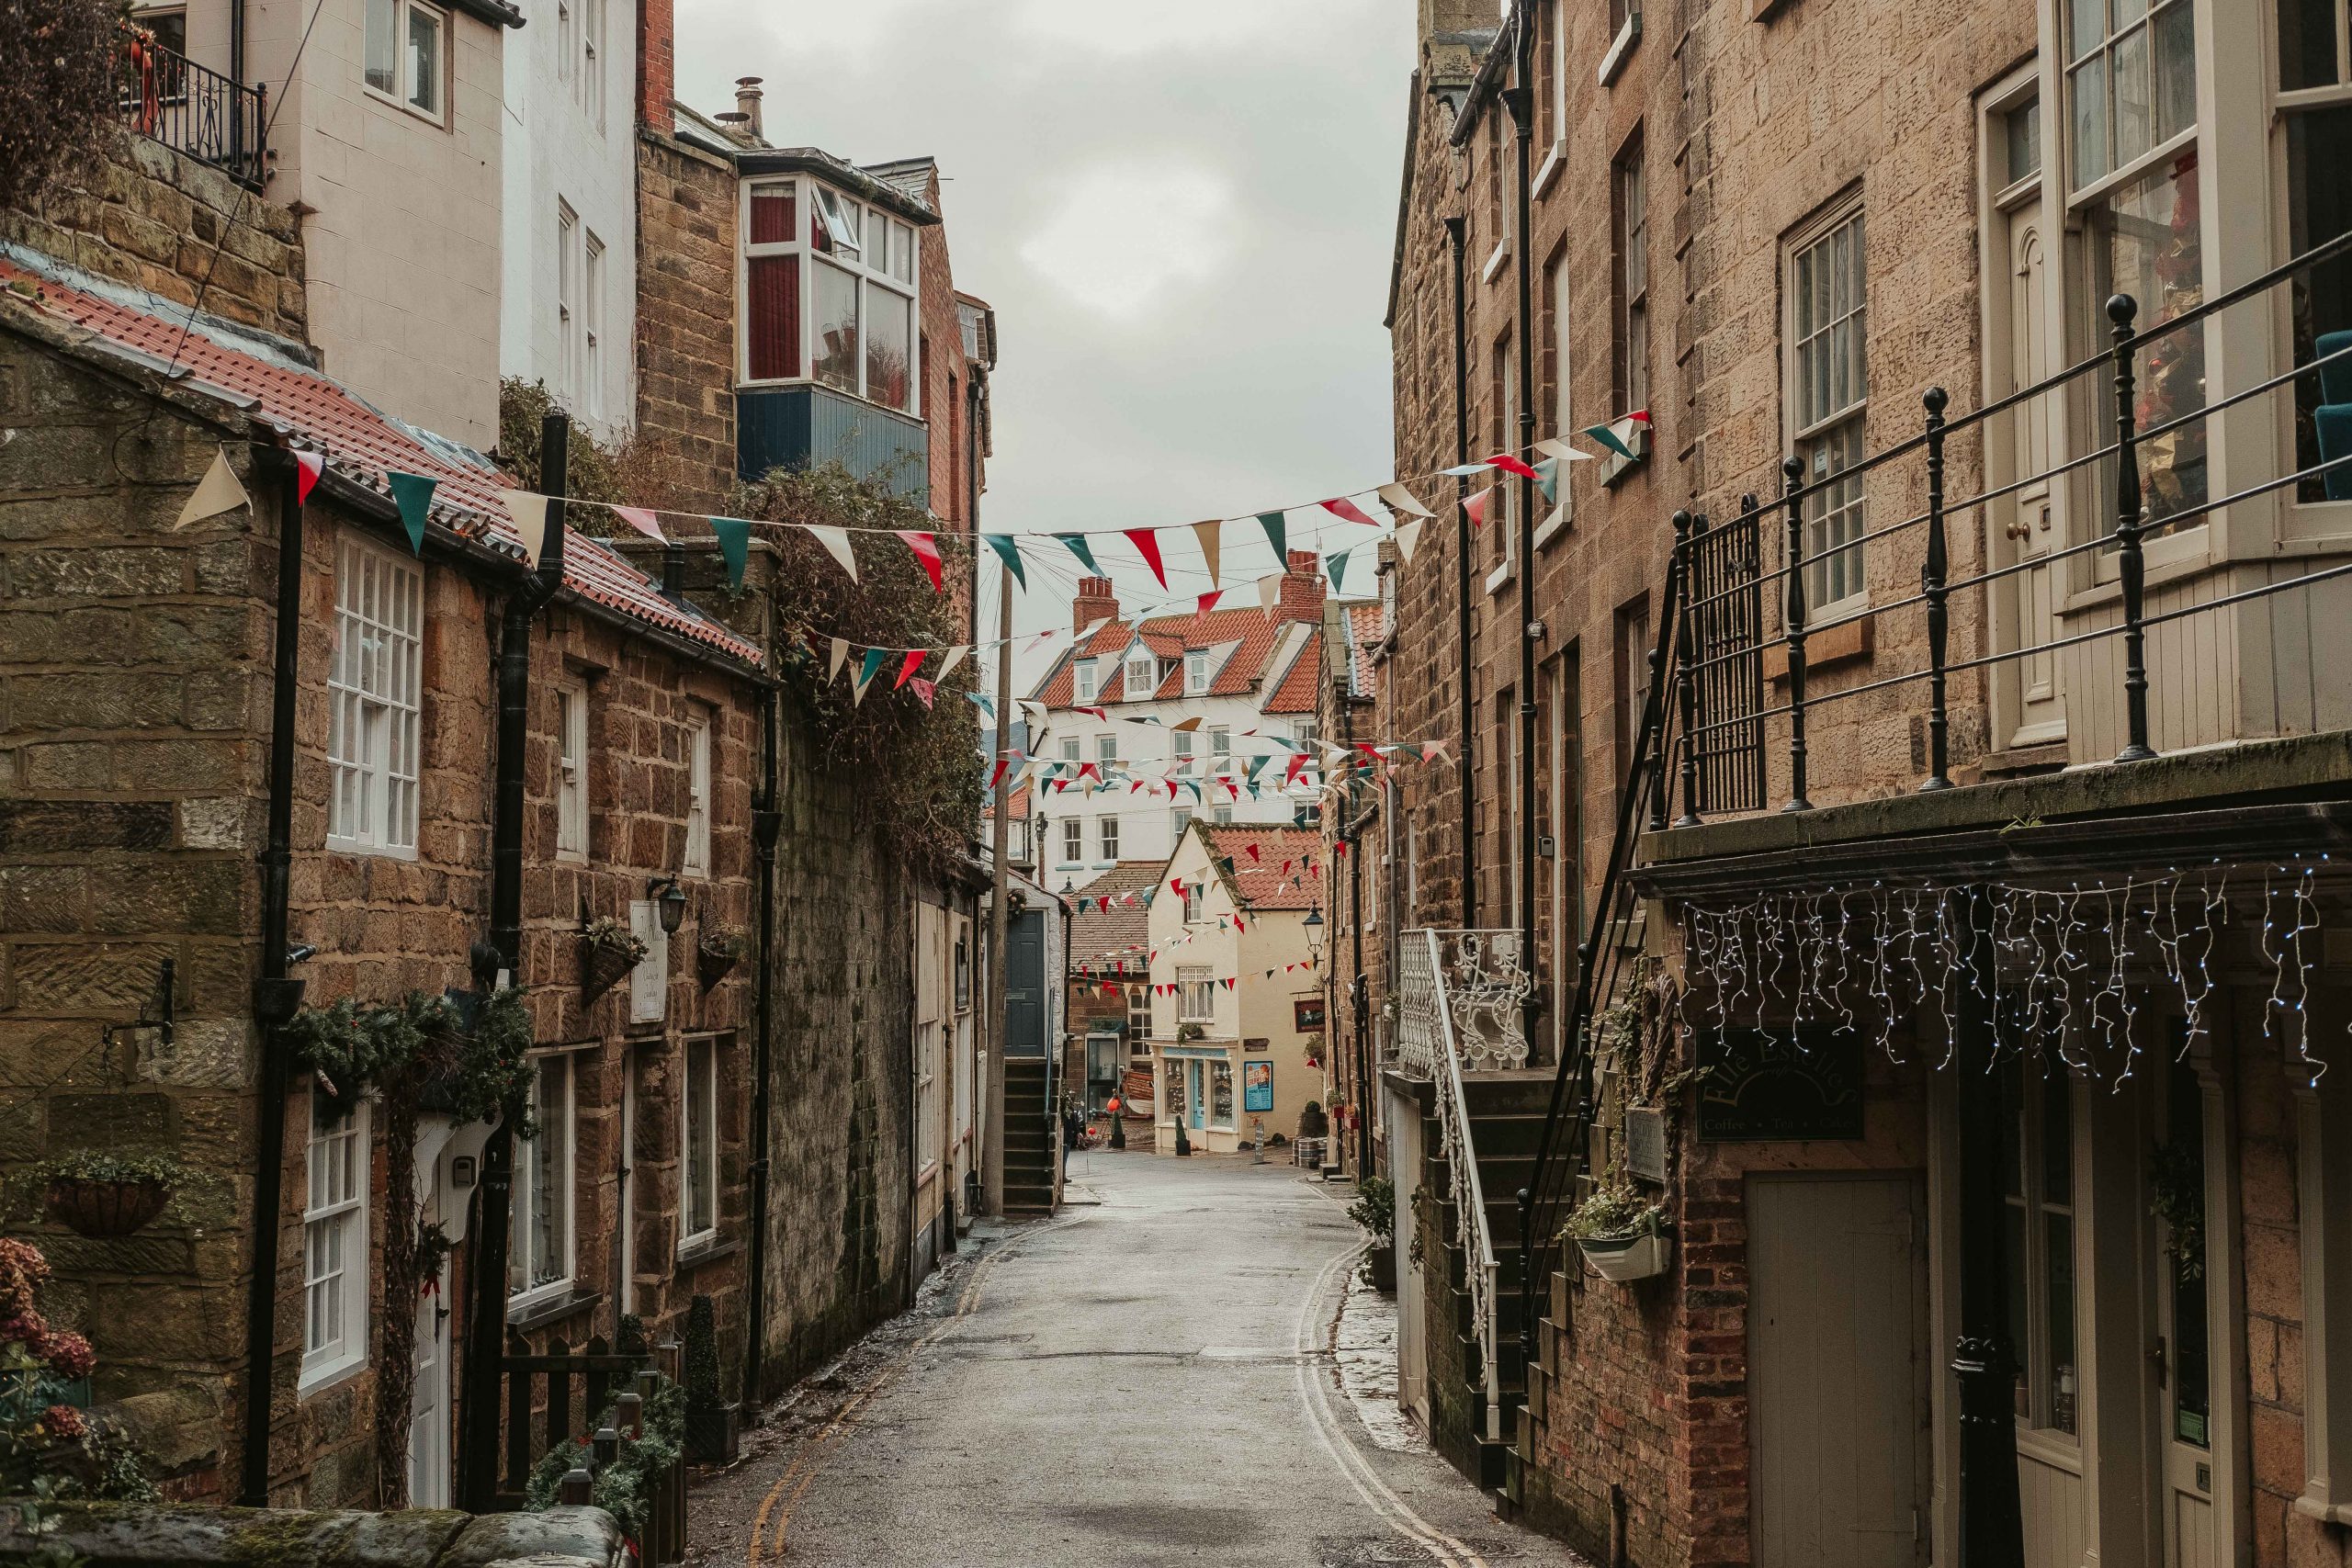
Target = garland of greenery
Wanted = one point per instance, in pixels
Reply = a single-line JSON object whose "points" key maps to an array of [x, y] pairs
{"points": [[628, 1486]]}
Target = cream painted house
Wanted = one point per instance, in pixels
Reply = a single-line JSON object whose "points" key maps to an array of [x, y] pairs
{"points": [[1231, 957], [385, 138]]}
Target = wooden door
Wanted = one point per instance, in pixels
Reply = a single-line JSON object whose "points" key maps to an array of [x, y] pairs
{"points": [[2027, 519], [428, 1430], [1837, 1371]]}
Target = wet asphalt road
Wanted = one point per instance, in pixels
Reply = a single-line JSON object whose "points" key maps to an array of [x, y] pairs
{"points": [[1145, 1380]]}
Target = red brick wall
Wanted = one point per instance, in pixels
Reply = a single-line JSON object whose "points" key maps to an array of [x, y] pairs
{"points": [[685, 315]]}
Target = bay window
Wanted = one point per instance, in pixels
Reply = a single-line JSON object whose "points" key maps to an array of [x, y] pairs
{"points": [[843, 283], [2315, 108]]}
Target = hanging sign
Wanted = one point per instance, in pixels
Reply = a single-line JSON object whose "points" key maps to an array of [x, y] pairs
{"points": [[1779, 1084], [1306, 1014]]}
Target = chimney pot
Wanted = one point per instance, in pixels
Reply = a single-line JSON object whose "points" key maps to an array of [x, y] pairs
{"points": [[747, 100], [1302, 597], [1096, 601]]}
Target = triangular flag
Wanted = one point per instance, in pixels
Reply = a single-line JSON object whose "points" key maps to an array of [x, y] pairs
{"points": [[1206, 603], [1547, 477], [1477, 507], [1511, 465], [414, 494], [981, 700], [1337, 564], [308, 467], [926, 690], [926, 549], [1408, 537], [1276, 533], [1269, 592], [1397, 499], [869, 665], [642, 520], [216, 492], [835, 540], [1465, 470], [530, 515], [997, 777], [1253, 854], [1211, 535], [1341, 506], [840, 652], [1078, 547], [735, 546], [1147, 544], [1608, 438], [1008, 551], [955, 657], [912, 662], [1555, 447]]}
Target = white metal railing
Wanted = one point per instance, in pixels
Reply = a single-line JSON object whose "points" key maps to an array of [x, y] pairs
{"points": [[1430, 1045]]}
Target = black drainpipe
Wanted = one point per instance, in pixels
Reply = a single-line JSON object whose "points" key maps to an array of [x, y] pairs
{"points": [[274, 996], [767, 821], [1454, 240], [486, 1268]]}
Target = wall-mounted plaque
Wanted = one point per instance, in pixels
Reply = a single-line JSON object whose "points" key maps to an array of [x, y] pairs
{"points": [[1780, 1084], [1645, 1143]]}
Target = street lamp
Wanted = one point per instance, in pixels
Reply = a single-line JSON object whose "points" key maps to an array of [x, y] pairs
{"points": [[670, 901], [1315, 932]]}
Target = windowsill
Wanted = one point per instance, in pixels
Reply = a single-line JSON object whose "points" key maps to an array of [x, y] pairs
{"points": [[1612, 62], [1553, 162], [524, 1313], [1847, 639], [1497, 577], [369, 852], [793, 383], [402, 105], [708, 1248], [1495, 262], [571, 857], [1551, 527], [326, 1377], [1615, 466]]}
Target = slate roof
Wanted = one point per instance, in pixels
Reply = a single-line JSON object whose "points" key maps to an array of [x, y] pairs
{"points": [[1263, 882], [1253, 633], [359, 441], [1101, 936]]}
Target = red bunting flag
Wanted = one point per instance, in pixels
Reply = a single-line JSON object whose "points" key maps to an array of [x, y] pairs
{"points": [[1086, 768], [1092, 713], [926, 690], [1341, 506], [1477, 507], [1253, 854], [642, 520], [1512, 464], [1147, 544], [907, 669], [307, 467], [1106, 903], [1290, 774], [1207, 602], [1339, 846], [1176, 885], [997, 777], [926, 549], [1285, 870], [1228, 982], [1639, 417]]}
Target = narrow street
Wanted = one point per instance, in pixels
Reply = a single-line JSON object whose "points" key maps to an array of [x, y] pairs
{"points": [[1149, 1377]]}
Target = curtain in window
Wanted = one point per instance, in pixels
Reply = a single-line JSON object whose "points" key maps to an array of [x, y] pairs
{"points": [[774, 312]]}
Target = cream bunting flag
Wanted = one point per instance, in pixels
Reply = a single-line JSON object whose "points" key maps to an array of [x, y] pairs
{"points": [[216, 492], [1556, 448], [1210, 537], [1408, 538], [530, 513], [837, 541], [840, 656], [955, 657], [1397, 498], [1269, 593]]}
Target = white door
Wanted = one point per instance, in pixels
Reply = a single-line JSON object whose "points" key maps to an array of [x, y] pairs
{"points": [[1837, 1372], [428, 1433], [2185, 1294], [2037, 707]]}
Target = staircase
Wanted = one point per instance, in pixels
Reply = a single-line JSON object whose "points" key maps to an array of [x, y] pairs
{"points": [[1029, 1141]]}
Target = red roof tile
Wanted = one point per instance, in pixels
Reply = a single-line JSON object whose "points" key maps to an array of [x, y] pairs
{"points": [[1302, 683], [360, 444], [1366, 619], [1263, 883], [1121, 933], [1169, 637]]}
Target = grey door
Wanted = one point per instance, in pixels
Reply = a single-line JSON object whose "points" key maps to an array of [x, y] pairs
{"points": [[1837, 1372], [1024, 983]]}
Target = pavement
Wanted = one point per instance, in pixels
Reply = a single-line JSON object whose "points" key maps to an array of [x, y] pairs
{"points": [[1174, 1369]]}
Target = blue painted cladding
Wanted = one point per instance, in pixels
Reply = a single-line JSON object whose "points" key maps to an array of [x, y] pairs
{"points": [[802, 426]]}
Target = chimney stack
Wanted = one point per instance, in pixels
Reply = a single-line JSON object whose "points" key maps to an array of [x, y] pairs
{"points": [[656, 65], [1302, 597], [1096, 602], [747, 101]]}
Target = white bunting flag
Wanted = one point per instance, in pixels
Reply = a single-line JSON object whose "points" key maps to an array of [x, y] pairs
{"points": [[955, 657], [837, 541], [216, 492], [1269, 593], [1408, 538], [530, 513], [841, 655], [1556, 448], [1397, 499], [1210, 537]]}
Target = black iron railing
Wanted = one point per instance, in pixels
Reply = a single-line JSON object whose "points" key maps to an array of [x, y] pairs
{"points": [[168, 98], [1703, 734]]}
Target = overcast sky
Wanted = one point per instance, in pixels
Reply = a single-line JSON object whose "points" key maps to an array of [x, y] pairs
{"points": [[1182, 210]]}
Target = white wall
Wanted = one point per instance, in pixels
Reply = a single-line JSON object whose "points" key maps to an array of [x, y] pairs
{"points": [[558, 150]]}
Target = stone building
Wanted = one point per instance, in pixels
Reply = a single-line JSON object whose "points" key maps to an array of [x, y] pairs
{"points": [[1917, 1170], [1110, 985], [1367, 873]]}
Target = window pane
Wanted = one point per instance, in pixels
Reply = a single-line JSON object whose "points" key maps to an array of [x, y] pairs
{"points": [[2306, 43], [889, 348], [383, 45], [2089, 86], [2024, 127], [2176, 70], [2192, 1407], [2319, 207], [2088, 26], [424, 59], [701, 1213], [837, 325], [2145, 243], [2057, 1139], [902, 253], [2059, 1234], [773, 214], [2132, 117], [774, 317], [2013, 1251]]}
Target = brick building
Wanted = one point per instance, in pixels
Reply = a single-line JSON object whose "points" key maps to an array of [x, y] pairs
{"points": [[1365, 871], [1771, 230], [1110, 979]]}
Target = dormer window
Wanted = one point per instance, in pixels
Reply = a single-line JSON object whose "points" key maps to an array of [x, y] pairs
{"points": [[1143, 675], [1196, 672], [832, 297], [1085, 680]]}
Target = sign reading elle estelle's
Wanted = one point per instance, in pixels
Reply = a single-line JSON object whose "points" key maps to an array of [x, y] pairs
{"points": [[1781, 1083]]}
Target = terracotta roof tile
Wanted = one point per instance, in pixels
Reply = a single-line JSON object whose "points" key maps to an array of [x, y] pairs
{"points": [[1105, 936], [1302, 683], [1263, 884], [361, 443], [1254, 632], [1365, 621]]}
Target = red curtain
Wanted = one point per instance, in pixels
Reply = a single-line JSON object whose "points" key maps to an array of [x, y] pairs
{"points": [[775, 317]]}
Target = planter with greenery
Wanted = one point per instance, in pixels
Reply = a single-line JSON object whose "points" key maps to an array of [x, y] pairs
{"points": [[1374, 1212], [103, 1195], [1621, 1232], [626, 1487], [1191, 1031], [720, 948], [609, 951]]}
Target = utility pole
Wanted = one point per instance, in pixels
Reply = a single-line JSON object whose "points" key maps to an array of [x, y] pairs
{"points": [[1521, 101], [992, 1153]]}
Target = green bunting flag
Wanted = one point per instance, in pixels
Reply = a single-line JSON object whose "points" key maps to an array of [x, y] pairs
{"points": [[735, 544], [1008, 551], [413, 493], [1083, 551], [1271, 522], [869, 665], [1547, 477], [1608, 438], [1336, 562]]}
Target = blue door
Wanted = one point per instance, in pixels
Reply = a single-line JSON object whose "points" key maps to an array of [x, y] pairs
{"points": [[1197, 1092], [1024, 983]]}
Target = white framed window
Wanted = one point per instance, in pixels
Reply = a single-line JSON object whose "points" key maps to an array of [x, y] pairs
{"points": [[1195, 994], [1222, 816], [1179, 820], [1106, 749], [1631, 213], [1085, 680], [1183, 742], [567, 45], [697, 856], [1220, 741], [566, 300], [698, 1151], [540, 1254], [2313, 105], [571, 772], [1109, 828], [1138, 1021], [1143, 675], [930, 1131], [2038, 1184], [1073, 840], [1069, 748], [1193, 895], [373, 682], [590, 390], [1829, 394], [1196, 671], [406, 54], [847, 284], [592, 62], [334, 1241], [648, 983]]}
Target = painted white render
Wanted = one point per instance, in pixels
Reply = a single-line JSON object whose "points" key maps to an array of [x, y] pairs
{"points": [[569, 278]]}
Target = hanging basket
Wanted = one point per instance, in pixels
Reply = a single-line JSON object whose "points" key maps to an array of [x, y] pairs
{"points": [[603, 967], [1623, 1259], [715, 959], [101, 1209]]}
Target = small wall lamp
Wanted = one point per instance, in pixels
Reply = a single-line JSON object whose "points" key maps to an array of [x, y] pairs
{"points": [[670, 900]]}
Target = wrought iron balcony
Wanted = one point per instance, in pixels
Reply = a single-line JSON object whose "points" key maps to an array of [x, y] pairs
{"points": [[1462, 995], [167, 97]]}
